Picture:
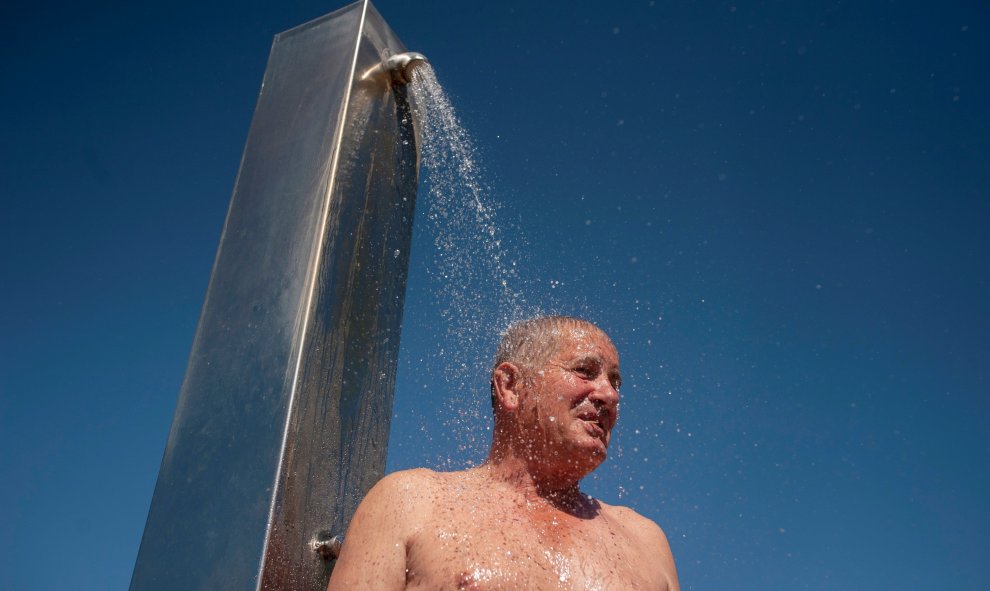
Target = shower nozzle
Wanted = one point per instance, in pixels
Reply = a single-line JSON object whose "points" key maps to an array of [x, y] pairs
{"points": [[398, 68]]}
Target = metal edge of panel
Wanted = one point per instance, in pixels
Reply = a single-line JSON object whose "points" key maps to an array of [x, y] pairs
{"points": [[336, 438], [315, 263]]}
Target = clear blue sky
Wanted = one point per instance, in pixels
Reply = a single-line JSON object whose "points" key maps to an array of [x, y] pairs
{"points": [[778, 209]]}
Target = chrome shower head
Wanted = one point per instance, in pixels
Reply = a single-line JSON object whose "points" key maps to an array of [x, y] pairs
{"points": [[397, 68]]}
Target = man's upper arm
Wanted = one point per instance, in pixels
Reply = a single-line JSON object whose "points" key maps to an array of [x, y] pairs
{"points": [[650, 536], [374, 551], [667, 560]]}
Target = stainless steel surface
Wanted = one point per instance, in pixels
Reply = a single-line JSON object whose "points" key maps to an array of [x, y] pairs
{"points": [[282, 421]]}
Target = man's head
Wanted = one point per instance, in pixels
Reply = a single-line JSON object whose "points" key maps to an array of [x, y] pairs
{"points": [[555, 390]]}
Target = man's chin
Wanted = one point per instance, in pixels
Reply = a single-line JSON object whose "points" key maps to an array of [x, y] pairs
{"points": [[594, 453], [600, 446]]}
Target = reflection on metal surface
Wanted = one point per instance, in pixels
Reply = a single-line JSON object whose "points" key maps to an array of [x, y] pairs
{"points": [[282, 420]]}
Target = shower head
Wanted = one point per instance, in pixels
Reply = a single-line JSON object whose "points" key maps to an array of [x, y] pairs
{"points": [[397, 68]]}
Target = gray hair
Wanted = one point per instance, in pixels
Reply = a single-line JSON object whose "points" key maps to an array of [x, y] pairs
{"points": [[530, 343]]}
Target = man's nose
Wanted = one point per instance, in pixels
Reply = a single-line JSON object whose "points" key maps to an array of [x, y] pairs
{"points": [[605, 393]]}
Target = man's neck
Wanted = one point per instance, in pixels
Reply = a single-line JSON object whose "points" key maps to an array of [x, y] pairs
{"points": [[535, 481]]}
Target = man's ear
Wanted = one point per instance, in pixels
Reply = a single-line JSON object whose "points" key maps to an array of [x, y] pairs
{"points": [[506, 384]]}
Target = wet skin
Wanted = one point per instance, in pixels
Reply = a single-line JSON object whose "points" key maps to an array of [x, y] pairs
{"points": [[519, 521]]}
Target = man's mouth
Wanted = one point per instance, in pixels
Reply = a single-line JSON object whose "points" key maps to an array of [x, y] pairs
{"points": [[594, 423]]}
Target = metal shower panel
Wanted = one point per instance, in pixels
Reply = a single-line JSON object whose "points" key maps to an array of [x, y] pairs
{"points": [[282, 420]]}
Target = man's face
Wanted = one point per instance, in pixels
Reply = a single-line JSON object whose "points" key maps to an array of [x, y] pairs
{"points": [[574, 399]]}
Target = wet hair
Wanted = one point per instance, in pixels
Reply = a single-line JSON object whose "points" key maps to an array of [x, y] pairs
{"points": [[530, 343]]}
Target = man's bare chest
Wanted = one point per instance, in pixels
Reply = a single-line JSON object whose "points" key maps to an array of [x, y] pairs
{"points": [[522, 548]]}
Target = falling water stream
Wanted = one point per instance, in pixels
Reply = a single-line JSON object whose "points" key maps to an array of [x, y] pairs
{"points": [[474, 270], [467, 232]]}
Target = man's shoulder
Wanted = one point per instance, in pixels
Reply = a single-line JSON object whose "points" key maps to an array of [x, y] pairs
{"points": [[398, 500], [639, 525], [407, 478], [417, 485], [405, 485], [412, 496]]}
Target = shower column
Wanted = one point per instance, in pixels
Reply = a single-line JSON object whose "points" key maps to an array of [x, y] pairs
{"points": [[282, 421]]}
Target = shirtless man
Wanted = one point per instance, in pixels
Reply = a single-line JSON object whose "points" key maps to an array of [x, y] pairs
{"points": [[518, 521]]}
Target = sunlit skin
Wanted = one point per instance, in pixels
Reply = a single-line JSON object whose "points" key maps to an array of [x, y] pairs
{"points": [[520, 520]]}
